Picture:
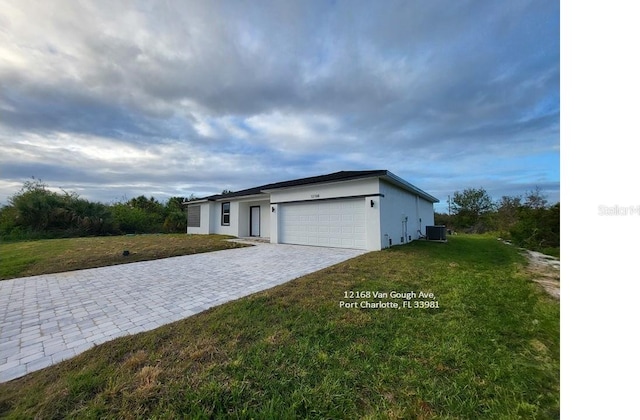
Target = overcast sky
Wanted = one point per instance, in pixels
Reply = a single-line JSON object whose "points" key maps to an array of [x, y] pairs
{"points": [[116, 99]]}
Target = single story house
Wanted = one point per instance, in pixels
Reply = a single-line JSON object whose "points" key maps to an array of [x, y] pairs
{"points": [[349, 209]]}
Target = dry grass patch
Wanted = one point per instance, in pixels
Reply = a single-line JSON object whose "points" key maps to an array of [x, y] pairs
{"points": [[137, 359], [278, 337], [57, 255], [148, 378]]}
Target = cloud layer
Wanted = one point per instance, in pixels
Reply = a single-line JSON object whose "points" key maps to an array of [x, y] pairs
{"points": [[117, 99]]}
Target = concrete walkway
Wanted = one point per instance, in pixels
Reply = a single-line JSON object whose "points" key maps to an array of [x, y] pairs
{"points": [[49, 318]]}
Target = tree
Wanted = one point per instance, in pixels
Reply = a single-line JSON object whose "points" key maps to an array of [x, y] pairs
{"points": [[149, 205], [92, 218], [37, 211], [507, 213], [442, 219], [176, 219], [535, 199], [33, 205], [145, 215], [175, 204], [469, 207]]}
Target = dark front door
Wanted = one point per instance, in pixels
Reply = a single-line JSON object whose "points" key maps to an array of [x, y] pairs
{"points": [[254, 221]]}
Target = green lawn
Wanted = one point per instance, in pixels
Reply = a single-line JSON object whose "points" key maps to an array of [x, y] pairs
{"points": [[491, 349], [28, 258]]}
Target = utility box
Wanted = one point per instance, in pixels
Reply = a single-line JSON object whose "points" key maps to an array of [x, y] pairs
{"points": [[436, 233]]}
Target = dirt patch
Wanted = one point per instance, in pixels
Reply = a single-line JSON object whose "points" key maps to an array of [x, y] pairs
{"points": [[545, 270]]}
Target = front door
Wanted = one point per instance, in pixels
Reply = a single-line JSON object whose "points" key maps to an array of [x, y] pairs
{"points": [[254, 221]]}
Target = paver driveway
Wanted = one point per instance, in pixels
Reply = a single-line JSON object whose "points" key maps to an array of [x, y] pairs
{"points": [[46, 319]]}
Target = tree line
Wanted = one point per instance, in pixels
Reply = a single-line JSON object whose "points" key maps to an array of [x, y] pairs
{"points": [[528, 221], [37, 212]]}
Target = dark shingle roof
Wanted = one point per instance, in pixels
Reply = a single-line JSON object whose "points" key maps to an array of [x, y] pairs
{"points": [[333, 177]]}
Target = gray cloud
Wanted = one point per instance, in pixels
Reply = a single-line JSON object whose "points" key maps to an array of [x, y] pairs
{"points": [[200, 96]]}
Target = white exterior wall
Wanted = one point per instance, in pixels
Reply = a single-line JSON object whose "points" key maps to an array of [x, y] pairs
{"points": [[204, 229], [273, 224], [215, 219], [426, 213], [342, 189], [244, 209], [265, 220], [367, 189], [372, 222], [399, 205], [211, 218]]}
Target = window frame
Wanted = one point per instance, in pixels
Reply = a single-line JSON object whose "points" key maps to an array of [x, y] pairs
{"points": [[226, 214]]}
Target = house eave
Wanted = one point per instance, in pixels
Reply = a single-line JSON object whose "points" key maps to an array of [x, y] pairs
{"points": [[396, 180], [251, 197], [199, 201]]}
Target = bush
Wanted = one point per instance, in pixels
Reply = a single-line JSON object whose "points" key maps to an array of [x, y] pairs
{"points": [[129, 219], [176, 221], [36, 207], [8, 217], [537, 228], [35, 212], [93, 218]]}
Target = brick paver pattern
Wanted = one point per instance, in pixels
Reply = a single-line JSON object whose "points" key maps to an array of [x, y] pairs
{"points": [[49, 318]]}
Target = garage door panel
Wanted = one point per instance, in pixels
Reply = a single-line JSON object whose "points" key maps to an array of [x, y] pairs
{"points": [[336, 223]]}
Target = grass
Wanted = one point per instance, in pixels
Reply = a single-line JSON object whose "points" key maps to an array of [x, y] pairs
{"points": [[490, 351], [553, 251], [29, 258]]}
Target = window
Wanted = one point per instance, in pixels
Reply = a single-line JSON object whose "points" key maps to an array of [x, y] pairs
{"points": [[193, 216], [226, 213]]}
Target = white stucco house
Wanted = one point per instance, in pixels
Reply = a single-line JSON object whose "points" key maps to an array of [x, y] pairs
{"points": [[367, 210]]}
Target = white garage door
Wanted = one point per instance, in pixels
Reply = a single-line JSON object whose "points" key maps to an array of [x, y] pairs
{"points": [[333, 223]]}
